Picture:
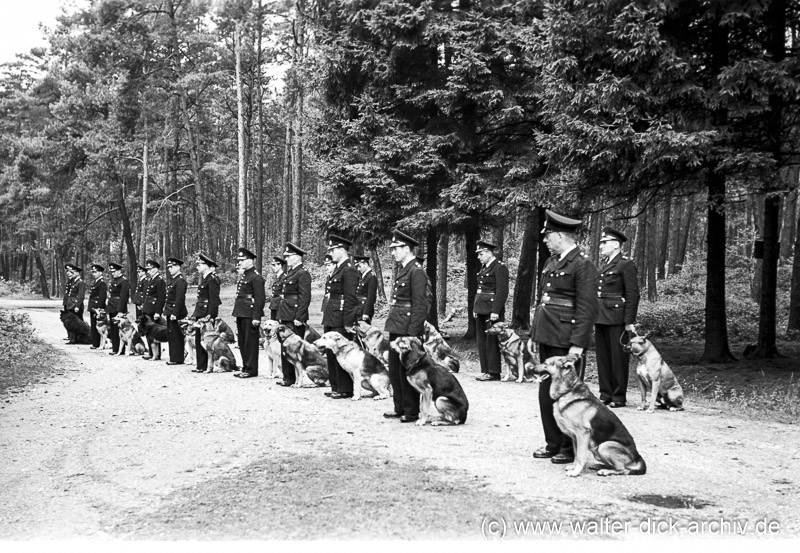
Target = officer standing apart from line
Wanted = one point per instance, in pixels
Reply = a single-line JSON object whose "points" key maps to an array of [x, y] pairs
{"points": [[279, 268], [328, 265], [618, 299], [74, 292], [141, 287], [207, 306], [490, 307], [339, 314], [154, 298], [98, 293], [296, 297], [407, 312], [175, 310], [118, 294], [563, 320], [367, 290], [248, 310]]}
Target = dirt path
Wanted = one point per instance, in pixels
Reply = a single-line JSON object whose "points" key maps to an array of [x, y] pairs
{"points": [[109, 449]]}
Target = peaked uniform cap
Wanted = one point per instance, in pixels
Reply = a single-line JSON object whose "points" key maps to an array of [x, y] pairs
{"points": [[559, 223], [402, 239], [291, 249], [152, 264], [141, 268], [612, 234], [361, 258], [174, 261], [246, 254], [207, 260], [115, 266], [327, 258], [73, 267], [338, 242], [98, 268], [420, 260], [278, 258], [483, 245]]}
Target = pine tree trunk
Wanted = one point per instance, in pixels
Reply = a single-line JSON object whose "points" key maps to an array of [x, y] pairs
{"points": [[127, 234], [441, 273], [526, 272], [686, 229], [145, 184], [200, 194], [297, 170], [793, 328], [663, 247], [789, 218], [242, 199], [42, 274], [640, 248], [378, 270], [286, 213], [678, 212], [471, 237], [652, 254], [432, 244]]}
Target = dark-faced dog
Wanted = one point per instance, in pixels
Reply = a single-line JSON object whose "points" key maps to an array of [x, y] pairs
{"points": [[442, 400], [129, 338], [101, 323], [373, 341], [215, 340], [438, 349], [305, 357], [594, 428], [517, 359], [189, 329], [362, 366], [151, 330], [655, 376], [77, 329]]}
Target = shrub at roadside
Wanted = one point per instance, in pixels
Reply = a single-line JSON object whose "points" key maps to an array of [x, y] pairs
{"points": [[16, 290], [25, 359]]}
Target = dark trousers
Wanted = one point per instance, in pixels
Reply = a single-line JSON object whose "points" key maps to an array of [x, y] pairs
{"points": [[175, 341], [557, 441], [93, 329], [286, 366], [202, 354], [405, 396], [113, 332], [340, 379], [612, 363], [488, 346], [247, 337]]}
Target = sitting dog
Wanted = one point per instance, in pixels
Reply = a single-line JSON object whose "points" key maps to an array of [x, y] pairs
{"points": [[517, 359], [215, 337], [306, 359], [373, 341], [77, 329], [101, 323], [361, 365], [593, 427], [442, 400], [273, 348], [655, 376], [153, 331], [129, 337], [189, 330], [438, 349]]}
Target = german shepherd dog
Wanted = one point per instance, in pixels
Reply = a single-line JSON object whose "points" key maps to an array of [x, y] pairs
{"points": [[655, 376], [153, 331], [306, 358], [595, 430], [189, 329], [517, 359], [216, 337], [442, 400], [362, 366], [129, 337], [373, 341], [438, 349], [273, 348], [101, 323], [77, 329]]}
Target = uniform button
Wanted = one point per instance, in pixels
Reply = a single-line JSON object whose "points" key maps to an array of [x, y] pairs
{"points": [[573, 321], [548, 284]]}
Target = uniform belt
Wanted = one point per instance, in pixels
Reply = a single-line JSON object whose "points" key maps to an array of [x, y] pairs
{"points": [[609, 296], [113, 297], [486, 293], [562, 302], [244, 297], [361, 298], [170, 304], [290, 296], [401, 304], [336, 297], [202, 302]]}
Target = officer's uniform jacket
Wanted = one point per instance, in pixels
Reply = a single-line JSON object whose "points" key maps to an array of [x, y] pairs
{"points": [[492, 289], [617, 292], [296, 295], [155, 296], [340, 289], [74, 292], [409, 306], [118, 294], [141, 289], [366, 294], [277, 292], [567, 306], [208, 301], [250, 296], [176, 298], [98, 294]]}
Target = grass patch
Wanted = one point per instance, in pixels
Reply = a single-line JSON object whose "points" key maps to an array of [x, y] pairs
{"points": [[26, 359]]}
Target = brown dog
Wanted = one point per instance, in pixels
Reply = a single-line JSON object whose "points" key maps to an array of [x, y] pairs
{"points": [[273, 348], [594, 428], [373, 341], [189, 328], [438, 349], [442, 400], [517, 359], [306, 358], [362, 366], [216, 337], [129, 337], [655, 376]]}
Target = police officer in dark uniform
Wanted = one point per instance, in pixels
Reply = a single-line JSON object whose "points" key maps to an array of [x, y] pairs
{"points": [[296, 297], [141, 287], [207, 306], [154, 298], [490, 307], [248, 310], [618, 299], [339, 314], [367, 290], [328, 265], [74, 292], [279, 268], [563, 320], [175, 310], [118, 294], [98, 294], [407, 312]]}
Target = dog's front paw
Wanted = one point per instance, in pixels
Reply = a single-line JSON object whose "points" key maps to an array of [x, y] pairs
{"points": [[505, 379], [651, 410], [520, 380], [378, 398], [355, 397], [673, 409], [421, 422], [574, 472], [640, 408]]}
